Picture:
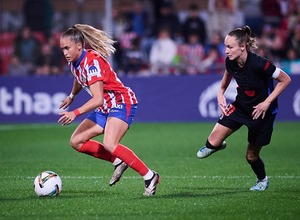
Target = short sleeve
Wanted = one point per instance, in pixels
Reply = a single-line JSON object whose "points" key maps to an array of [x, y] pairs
{"points": [[264, 65]]}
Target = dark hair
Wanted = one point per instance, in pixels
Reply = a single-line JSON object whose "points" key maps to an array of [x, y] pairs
{"points": [[243, 36]]}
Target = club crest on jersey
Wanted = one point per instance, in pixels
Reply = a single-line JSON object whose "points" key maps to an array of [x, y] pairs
{"points": [[93, 71]]}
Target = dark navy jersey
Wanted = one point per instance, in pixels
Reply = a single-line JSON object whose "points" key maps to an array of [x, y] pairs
{"points": [[254, 81]]}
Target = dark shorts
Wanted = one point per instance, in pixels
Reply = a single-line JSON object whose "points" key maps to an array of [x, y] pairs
{"points": [[124, 112], [259, 130]]}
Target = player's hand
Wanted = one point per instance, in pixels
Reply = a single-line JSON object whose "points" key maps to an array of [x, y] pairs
{"points": [[66, 118], [65, 103], [260, 110]]}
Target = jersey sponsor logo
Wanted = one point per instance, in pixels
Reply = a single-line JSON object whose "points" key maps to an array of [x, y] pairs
{"points": [[250, 93], [208, 103], [229, 109], [114, 110], [119, 106], [94, 71]]}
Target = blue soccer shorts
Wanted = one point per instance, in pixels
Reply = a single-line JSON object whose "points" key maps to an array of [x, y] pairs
{"points": [[122, 111]]}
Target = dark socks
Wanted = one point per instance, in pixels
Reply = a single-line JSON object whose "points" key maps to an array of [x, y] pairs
{"points": [[259, 168], [210, 146]]}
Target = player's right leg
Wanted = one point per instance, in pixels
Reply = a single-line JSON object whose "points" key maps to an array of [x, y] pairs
{"points": [[215, 141], [114, 131], [208, 149]]}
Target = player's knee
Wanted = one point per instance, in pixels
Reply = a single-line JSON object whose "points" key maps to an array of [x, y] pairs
{"points": [[110, 147], [75, 144], [251, 158]]}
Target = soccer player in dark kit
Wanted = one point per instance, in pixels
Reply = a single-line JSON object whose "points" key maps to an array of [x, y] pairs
{"points": [[255, 105]]}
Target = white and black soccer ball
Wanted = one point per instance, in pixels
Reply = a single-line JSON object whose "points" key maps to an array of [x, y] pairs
{"points": [[47, 183]]}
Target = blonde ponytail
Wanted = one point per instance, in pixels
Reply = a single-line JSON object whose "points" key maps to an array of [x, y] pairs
{"points": [[99, 40]]}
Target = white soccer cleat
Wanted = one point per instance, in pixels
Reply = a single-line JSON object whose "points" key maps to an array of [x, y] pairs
{"points": [[205, 152], [260, 185], [119, 170], [150, 189]]}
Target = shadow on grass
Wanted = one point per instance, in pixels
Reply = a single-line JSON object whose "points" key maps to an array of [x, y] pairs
{"points": [[195, 192], [70, 194]]}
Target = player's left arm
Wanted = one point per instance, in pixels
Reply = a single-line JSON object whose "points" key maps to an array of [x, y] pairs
{"points": [[283, 81]]}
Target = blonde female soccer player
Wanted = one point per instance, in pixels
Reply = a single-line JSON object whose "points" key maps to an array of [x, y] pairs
{"points": [[112, 105]]}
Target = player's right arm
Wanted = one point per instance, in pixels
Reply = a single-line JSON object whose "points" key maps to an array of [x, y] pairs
{"points": [[69, 99], [221, 98]]}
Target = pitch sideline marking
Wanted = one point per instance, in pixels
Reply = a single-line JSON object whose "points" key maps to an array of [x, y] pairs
{"points": [[165, 177]]}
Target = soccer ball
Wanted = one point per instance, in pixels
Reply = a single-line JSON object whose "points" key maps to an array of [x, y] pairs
{"points": [[47, 183]]}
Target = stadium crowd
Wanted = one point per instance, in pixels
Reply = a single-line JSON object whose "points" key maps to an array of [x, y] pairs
{"points": [[156, 38]]}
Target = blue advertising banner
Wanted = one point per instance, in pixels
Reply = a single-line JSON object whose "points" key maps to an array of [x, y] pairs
{"points": [[161, 99]]}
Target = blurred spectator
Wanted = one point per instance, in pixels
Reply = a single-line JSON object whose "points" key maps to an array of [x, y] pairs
{"points": [[50, 60], [163, 52], [58, 57], [277, 36], [294, 16], [220, 18], [7, 41], [120, 23], [291, 64], [16, 68], [134, 60], [140, 24], [253, 15], [293, 40], [190, 55], [216, 41], [271, 39], [2, 71], [272, 12], [116, 58], [264, 51], [139, 19], [168, 19], [214, 62], [38, 15], [27, 48], [124, 43], [194, 24]]}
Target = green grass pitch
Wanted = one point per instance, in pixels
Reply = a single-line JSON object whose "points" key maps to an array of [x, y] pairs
{"points": [[214, 188]]}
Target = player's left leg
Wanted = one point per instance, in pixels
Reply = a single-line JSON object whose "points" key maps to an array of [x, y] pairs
{"points": [[258, 167], [259, 135], [81, 140]]}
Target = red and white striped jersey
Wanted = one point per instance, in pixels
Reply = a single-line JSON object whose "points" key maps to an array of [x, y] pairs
{"points": [[92, 67]]}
